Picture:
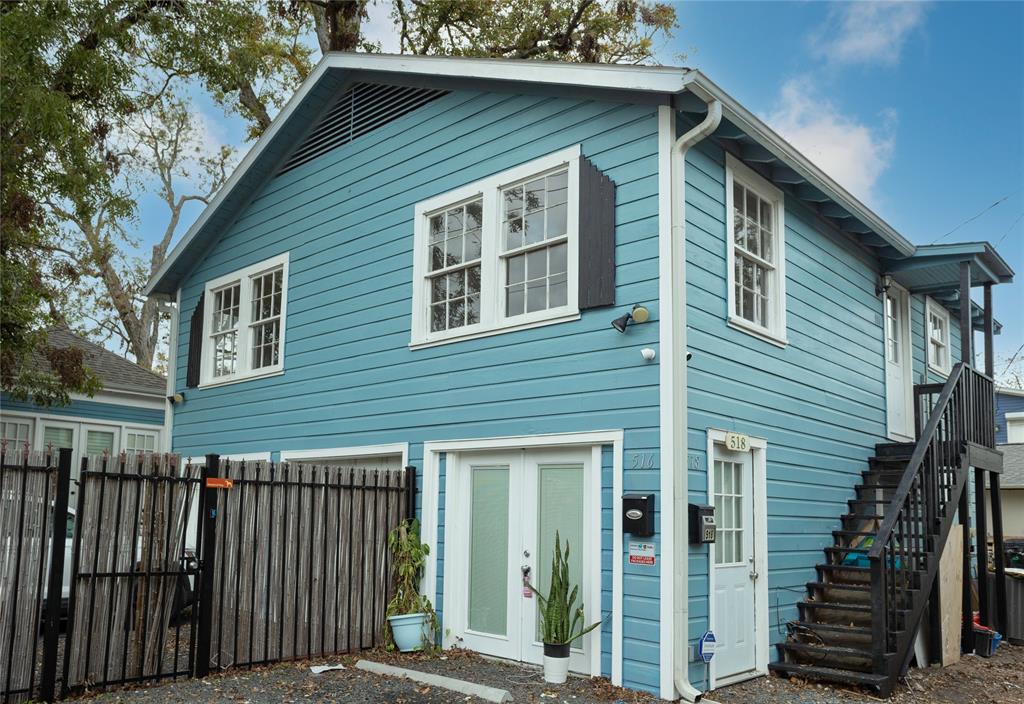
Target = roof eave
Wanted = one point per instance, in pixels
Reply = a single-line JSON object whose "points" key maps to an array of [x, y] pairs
{"points": [[706, 89]]}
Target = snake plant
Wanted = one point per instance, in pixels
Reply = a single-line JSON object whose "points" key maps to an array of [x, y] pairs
{"points": [[561, 618]]}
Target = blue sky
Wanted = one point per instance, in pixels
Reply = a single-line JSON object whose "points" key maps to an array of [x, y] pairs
{"points": [[916, 108]]}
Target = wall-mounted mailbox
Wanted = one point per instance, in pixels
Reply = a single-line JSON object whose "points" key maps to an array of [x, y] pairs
{"points": [[702, 524], [638, 514]]}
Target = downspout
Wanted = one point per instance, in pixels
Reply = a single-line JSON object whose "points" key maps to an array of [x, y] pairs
{"points": [[679, 465]]}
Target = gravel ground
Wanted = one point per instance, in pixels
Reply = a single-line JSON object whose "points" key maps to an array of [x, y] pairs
{"points": [[293, 682], [974, 680]]}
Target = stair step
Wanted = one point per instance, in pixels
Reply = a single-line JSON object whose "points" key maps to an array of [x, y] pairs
{"points": [[892, 450], [862, 517], [845, 574], [828, 628], [835, 606], [842, 586], [834, 612], [832, 674], [846, 658]]}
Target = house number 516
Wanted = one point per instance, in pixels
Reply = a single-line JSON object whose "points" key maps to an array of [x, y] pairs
{"points": [[642, 460]]}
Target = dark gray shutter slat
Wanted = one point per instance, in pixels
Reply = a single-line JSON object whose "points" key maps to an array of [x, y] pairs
{"points": [[596, 237], [195, 346]]}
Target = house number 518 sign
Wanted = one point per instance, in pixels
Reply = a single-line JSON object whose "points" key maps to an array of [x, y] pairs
{"points": [[737, 442]]}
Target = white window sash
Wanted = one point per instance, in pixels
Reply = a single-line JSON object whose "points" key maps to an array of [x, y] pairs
{"points": [[245, 325], [492, 253], [775, 286], [943, 364]]}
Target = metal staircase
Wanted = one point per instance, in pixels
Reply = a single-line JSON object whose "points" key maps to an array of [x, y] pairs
{"points": [[858, 622]]}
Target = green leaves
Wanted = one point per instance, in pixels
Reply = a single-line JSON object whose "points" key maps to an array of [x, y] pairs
{"points": [[561, 619], [409, 556]]}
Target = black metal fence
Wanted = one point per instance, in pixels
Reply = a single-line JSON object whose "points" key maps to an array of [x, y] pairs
{"points": [[176, 570]]}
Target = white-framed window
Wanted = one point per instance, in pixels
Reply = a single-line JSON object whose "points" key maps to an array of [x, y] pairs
{"points": [[498, 254], [756, 253], [939, 357], [243, 330], [139, 441], [1015, 427], [16, 431]]}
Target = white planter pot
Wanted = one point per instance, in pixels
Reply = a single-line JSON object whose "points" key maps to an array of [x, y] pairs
{"points": [[556, 666]]}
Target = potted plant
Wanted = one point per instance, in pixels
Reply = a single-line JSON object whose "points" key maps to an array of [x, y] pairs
{"points": [[409, 613], [561, 619]]}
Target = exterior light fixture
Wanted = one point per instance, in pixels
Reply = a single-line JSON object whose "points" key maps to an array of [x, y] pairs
{"points": [[639, 314], [176, 398], [883, 285]]}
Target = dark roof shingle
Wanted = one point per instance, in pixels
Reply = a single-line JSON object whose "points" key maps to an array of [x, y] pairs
{"points": [[115, 372]]}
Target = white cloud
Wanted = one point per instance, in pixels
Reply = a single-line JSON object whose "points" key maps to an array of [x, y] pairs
{"points": [[379, 27], [852, 153], [867, 32]]}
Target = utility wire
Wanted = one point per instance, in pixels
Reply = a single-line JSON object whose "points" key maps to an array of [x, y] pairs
{"points": [[972, 219], [1013, 358], [1010, 229]]}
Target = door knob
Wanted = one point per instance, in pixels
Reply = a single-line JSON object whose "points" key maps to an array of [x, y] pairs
{"points": [[754, 575]]}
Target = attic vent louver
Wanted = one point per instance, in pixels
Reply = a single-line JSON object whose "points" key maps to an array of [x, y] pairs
{"points": [[362, 108]]}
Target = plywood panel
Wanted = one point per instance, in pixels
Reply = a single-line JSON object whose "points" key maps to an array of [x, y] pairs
{"points": [[950, 594]]}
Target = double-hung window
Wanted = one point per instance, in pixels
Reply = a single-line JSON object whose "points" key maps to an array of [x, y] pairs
{"points": [[244, 323], [499, 254], [939, 358], [755, 253], [16, 432]]}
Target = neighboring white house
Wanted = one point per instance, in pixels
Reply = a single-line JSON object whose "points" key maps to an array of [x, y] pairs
{"points": [[127, 414]]}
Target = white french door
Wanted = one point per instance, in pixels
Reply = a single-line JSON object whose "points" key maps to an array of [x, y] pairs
{"points": [[898, 375], [503, 511]]}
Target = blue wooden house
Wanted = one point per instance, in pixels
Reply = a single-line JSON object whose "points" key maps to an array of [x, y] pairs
{"points": [[127, 415], [550, 286]]}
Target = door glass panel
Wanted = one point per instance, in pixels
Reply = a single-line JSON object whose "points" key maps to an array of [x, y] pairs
{"points": [[58, 437], [560, 509], [488, 551], [98, 442], [729, 512]]}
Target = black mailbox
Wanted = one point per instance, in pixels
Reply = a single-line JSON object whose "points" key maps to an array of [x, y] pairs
{"points": [[638, 514], [702, 524]]}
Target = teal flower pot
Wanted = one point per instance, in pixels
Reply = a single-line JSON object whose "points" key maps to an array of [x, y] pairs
{"points": [[410, 631]]}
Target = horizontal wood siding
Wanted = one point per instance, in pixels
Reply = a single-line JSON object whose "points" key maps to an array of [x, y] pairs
{"points": [[820, 402], [97, 410], [1006, 403], [350, 378]]}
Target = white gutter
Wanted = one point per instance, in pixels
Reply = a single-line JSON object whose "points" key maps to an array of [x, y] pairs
{"points": [[677, 465]]}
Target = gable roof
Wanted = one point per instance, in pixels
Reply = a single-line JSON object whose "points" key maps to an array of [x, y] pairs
{"points": [[115, 372], [688, 90]]}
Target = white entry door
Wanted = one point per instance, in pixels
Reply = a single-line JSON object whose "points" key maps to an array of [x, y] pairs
{"points": [[734, 566], [898, 381], [503, 515]]}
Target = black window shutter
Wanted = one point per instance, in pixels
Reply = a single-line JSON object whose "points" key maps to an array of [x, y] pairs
{"points": [[195, 346], [597, 238]]}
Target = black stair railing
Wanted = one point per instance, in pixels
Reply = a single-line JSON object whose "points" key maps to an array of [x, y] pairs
{"points": [[905, 553]]}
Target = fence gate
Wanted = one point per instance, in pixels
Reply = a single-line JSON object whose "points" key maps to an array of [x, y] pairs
{"points": [[32, 486], [300, 566], [131, 565]]}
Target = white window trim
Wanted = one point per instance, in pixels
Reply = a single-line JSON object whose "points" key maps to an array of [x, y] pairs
{"points": [[492, 274], [932, 306], [244, 277], [750, 179], [1014, 418], [398, 448]]}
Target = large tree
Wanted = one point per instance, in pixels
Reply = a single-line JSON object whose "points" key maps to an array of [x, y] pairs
{"points": [[84, 85]]}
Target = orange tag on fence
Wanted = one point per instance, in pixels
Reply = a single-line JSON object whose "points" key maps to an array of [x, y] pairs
{"points": [[219, 483]]}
